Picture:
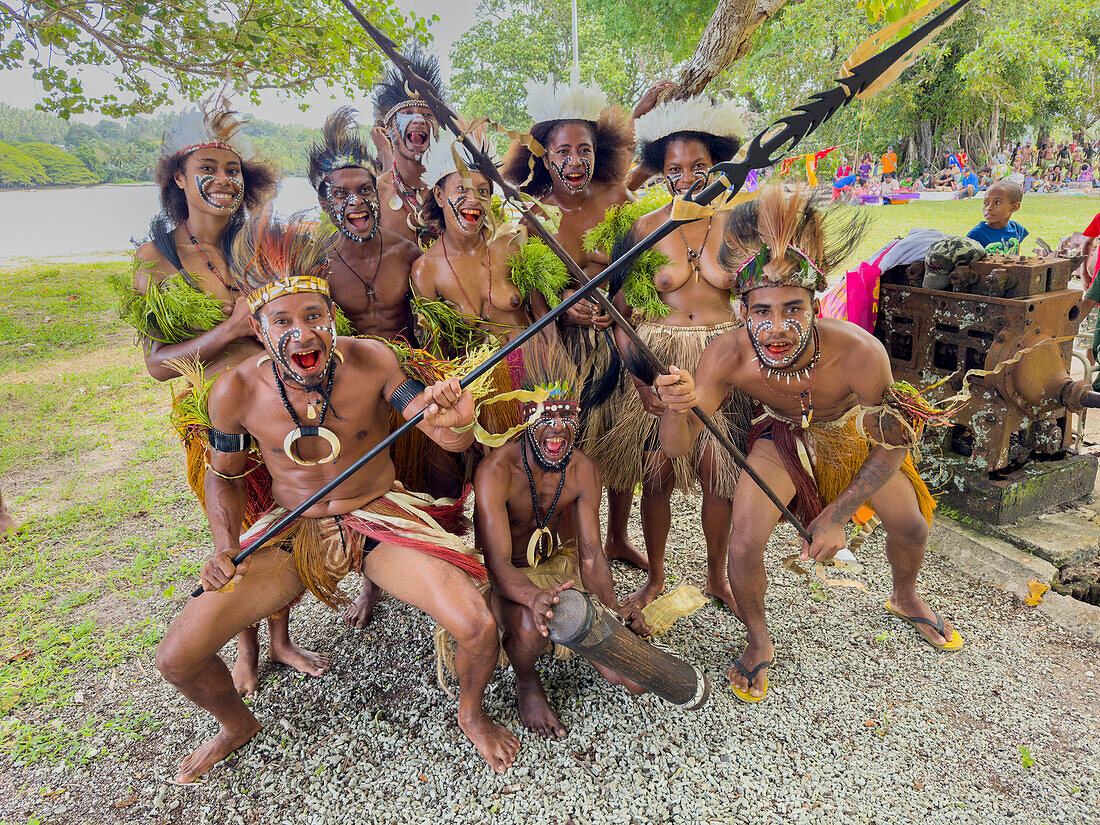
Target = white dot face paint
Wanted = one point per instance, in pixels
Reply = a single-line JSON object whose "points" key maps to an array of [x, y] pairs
{"points": [[202, 183], [575, 185], [461, 213], [803, 329], [344, 208]]}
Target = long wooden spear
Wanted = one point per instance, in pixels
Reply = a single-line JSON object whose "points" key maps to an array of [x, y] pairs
{"points": [[781, 138]]}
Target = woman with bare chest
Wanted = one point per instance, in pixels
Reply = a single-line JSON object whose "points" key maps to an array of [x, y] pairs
{"points": [[681, 300]]}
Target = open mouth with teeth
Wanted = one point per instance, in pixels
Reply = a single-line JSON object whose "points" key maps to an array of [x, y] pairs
{"points": [[417, 139], [468, 215], [359, 221], [219, 200], [306, 362], [575, 180], [553, 447]]}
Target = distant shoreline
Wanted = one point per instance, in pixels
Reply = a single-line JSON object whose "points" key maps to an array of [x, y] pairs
{"points": [[48, 186]]}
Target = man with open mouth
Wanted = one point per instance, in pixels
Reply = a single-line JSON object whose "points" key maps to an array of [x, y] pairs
{"points": [[404, 130], [522, 490], [208, 177], [588, 150], [312, 404], [684, 299], [834, 432]]}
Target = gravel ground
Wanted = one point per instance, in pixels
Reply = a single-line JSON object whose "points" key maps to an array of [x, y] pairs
{"points": [[863, 723]]}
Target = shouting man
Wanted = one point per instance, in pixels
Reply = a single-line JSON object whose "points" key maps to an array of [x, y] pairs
{"points": [[521, 491], [835, 433], [313, 404]]}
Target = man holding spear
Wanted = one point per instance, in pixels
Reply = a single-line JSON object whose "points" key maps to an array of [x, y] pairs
{"points": [[314, 404]]}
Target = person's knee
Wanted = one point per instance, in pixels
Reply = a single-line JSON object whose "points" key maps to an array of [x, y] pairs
{"points": [[744, 551], [172, 660], [912, 532], [474, 626]]}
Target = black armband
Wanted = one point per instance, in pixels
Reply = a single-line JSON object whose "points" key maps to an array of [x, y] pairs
{"points": [[404, 394], [228, 442]]}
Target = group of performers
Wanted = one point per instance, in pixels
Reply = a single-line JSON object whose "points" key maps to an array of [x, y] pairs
{"points": [[303, 346]]}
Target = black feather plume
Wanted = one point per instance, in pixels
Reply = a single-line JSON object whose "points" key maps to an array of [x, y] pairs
{"points": [[392, 90]]}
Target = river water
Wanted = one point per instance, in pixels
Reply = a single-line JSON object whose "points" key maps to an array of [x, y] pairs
{"points": [[93, 220]]}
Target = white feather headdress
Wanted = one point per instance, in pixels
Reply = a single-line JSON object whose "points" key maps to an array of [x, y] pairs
{"points": [[696, 114], [212, 124], [439, 160], [565, 101]]}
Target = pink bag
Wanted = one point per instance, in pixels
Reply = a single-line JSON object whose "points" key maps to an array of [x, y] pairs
{"points": [[855, 299]]}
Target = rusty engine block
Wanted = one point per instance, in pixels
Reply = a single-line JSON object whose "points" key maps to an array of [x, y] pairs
{"points": [[1020, 410]]}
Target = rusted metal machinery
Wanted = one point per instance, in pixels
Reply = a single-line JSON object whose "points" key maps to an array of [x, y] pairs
{"points": [[1008, 446]]}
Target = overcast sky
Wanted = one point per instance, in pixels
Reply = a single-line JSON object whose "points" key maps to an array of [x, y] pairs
{"points": [[17, 88]]}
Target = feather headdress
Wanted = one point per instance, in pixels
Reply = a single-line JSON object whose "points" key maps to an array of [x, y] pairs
{"points": [[701, 113], [393, 93], [272, 259], [211, 125], [341, 147], [439, 159], [785, 239], [574, 100]]}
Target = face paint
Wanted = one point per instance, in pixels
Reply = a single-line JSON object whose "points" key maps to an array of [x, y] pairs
{"points": [[671, 181], [534, 438], [202, 183], [559, 169], [277, 349], [803, 331], [340, 206], [463, 224], [404, 124]]}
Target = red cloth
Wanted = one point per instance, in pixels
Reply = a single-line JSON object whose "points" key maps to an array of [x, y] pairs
{"points": [[1093, 229]]}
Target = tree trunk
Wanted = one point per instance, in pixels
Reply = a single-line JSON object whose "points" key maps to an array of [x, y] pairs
{"points": [[724, 40]]}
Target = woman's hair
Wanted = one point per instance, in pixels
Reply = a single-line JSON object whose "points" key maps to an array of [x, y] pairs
{"points": [[719, 148], [613, 146], [258, 177]]}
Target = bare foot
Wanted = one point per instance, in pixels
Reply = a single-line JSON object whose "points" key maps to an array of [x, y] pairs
{"points": [[302, 660], [624, 550], [645, 594], [750, 658], [496, 745], [720, 590], [359, 612], [535, 712], [246, 675], [206, 756]]}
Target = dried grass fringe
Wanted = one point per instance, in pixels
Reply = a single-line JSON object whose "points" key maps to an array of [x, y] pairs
{"points": [[619, 453]]}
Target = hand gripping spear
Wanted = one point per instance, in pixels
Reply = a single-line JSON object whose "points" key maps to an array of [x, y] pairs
{"points": [[764, 150]]}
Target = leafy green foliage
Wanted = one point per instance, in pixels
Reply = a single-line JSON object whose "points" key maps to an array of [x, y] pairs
{"points": [[127, 151], [530, 39], [154, 49], [62, 168], [17, 168]]}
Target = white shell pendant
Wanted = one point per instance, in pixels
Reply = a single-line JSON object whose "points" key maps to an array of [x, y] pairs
{"points": [[395, 202]]}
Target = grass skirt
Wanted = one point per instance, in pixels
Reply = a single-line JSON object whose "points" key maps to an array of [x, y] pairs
{"points": [[620, 454], [323, 551], [824, 458], [589, 349]]}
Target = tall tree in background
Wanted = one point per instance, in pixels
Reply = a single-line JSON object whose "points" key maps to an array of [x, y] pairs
{"points": [[154, 49]]}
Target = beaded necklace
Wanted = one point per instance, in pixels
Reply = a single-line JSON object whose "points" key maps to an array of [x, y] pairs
{"points": [[488, 265], [693, 256], [541, 530], [209, 263], [805, 398]]}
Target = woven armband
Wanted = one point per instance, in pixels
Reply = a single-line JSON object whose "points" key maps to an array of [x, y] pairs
{"points": [[404, 394], [228, 442]]}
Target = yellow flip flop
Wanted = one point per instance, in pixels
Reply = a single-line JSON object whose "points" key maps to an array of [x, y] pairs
{"points": [[954, 643], [744, 695]]}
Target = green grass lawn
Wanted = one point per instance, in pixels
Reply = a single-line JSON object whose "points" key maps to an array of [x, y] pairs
{"points": [[1051, 217]]}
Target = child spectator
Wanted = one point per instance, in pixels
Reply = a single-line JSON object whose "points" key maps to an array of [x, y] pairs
{"points": [[1029, 181], [1001, 201]]}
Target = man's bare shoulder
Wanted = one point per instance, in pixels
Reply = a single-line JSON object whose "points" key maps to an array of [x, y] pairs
{"points": [[496, 468], [399, 245], [367, 352], [853, 341]]}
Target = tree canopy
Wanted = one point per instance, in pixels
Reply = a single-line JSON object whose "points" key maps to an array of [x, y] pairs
{"points": [[156, 49]]}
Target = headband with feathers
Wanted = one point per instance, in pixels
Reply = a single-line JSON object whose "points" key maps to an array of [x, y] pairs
{"points": [[701, 113], [439, 159], [393, 93], [271, 259], [565, 101], [813, 240], [341, 147], [211, 125]]}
